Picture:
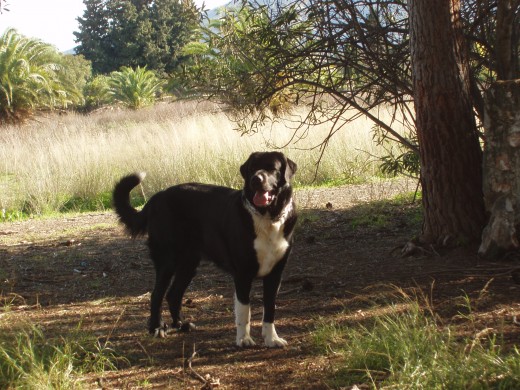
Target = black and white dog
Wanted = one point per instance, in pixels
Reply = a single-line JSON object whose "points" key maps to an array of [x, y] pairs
{"points": [[246, 232]]}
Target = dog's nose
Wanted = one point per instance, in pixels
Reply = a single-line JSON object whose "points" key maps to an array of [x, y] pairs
{"points": [[257, 179]]}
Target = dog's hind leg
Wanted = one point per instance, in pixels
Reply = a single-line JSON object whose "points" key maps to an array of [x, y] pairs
{"points": [[163, 277], [243, 312], [181, 281], [162, 257]]}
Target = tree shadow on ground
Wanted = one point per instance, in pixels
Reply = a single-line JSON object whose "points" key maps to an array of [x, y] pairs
{"points": [[344, 262]]}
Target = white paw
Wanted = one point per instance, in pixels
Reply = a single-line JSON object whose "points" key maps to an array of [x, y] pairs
{"points": [[275, 342], [271, 338], [160, 332], [245, 341]]}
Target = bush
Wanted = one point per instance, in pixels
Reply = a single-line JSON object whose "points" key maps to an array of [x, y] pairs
{"points": [[134, 88], [97, 92]]}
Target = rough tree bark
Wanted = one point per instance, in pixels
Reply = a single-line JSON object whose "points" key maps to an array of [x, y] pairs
{"points": [[506, 53], [502, 148], [451, 157], [501, 167]]}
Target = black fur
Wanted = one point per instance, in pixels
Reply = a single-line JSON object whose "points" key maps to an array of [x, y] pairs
{"points": [[190, 222]]}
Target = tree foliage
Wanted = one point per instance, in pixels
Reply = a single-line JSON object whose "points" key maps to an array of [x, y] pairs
{"points": [[76, 71], [33, 75], [344, 59], [3, 4], [116, 33]]}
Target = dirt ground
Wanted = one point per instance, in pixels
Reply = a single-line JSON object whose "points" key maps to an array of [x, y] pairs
{"points": [[83, 272]]}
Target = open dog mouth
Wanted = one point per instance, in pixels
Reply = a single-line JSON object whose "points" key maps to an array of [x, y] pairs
{"points": [[263, 198]]}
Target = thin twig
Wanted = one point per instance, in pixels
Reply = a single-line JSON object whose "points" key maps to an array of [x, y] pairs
{"points": [[114, 326], [192, 371], [145, 351], [209, 383]]}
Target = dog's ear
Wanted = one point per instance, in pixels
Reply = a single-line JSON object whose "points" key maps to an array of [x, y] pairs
{"points": [[244, 168], [290, 169]]}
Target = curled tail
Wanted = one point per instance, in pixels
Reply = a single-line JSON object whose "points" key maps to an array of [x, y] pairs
{"points": [[134, 220]]}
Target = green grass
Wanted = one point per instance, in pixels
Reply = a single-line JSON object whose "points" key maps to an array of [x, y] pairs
{"points": [[71, 162], [31, 360], [377, 220], [406, 347], [102, 201], [381, 214]]}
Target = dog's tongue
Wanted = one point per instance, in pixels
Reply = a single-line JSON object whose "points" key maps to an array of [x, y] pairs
{"points": [[261, 198]]}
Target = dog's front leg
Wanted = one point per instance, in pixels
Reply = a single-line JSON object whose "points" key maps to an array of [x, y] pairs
{"points": [[271, 286], [243, 313]]}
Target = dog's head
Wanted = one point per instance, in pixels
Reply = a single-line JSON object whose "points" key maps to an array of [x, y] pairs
{"points": [[267, 175]]}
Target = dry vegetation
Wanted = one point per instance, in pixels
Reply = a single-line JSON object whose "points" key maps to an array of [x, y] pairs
{"points": [[60, 162]]}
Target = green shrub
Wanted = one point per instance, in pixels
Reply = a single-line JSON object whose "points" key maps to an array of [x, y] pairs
{"points": [[97, 92], [134, 88]]}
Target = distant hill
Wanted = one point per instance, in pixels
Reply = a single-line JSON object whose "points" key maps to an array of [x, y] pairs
{"points": [[213, 13]]}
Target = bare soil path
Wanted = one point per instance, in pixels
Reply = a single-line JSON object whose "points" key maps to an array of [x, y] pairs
{"points": [[82, 271]]}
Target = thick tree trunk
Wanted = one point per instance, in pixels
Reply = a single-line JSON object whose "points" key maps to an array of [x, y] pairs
{"points": [[506, 51], [451, 157], [501, 169]]}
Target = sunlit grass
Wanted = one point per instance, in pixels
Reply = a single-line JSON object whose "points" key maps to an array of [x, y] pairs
{"points": [[71, 162], [29, 359], [405, 347]]}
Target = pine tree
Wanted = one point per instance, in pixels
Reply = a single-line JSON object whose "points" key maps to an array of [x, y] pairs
{"points": [[93, 34], [116, 33]]}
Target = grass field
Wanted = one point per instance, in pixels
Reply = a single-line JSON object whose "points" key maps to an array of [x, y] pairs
{"points": [[71, 162]]}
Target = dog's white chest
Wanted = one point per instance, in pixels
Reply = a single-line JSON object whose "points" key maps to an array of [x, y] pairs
{"points": [[270, 243]]}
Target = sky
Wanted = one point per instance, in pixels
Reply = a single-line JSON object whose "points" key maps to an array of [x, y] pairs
{"points": [[54, 21]]}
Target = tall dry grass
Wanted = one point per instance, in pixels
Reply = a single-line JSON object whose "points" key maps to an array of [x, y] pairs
{"points": [[47, 163]]}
